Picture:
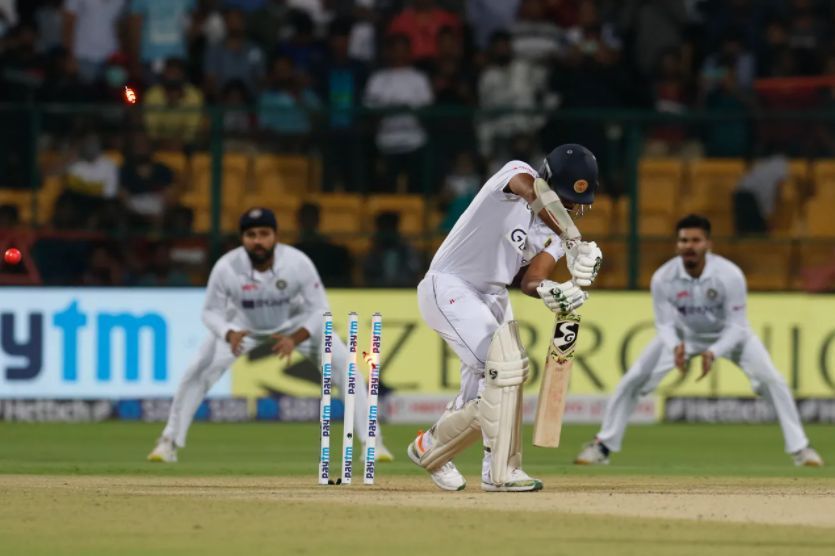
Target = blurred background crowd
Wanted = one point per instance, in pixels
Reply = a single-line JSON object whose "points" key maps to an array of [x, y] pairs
{"points": [[369, 125]]}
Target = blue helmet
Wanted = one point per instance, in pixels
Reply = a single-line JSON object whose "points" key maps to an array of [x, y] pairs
{"points": [[571, 171]]}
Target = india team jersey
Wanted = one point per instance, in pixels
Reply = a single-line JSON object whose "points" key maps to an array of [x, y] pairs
{"points": [[287, 296], [708, 311], [496, 236]]}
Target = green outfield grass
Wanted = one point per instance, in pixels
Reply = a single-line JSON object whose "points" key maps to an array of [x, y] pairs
{"points": [[251, 488], [292, 449]]}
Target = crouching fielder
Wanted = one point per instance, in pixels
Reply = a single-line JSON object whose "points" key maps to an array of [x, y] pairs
{"points": [[699, 300], [263, 291], [464, 299]]}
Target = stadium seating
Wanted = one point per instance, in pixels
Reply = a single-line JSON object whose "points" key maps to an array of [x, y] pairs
{"points": [[820, 217], [412, 210], [283, 174], [823, 175], [764, 262], [597, 221], [712, 182]]}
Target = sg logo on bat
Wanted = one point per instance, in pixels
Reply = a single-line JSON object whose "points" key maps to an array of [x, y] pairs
{"points": [[566, 329]]}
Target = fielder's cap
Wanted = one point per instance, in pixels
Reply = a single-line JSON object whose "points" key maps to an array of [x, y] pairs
{"points": [[256, 217], [571, 171]]}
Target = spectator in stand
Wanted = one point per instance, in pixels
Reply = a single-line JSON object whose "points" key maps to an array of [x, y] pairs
{"points": [[756, 196], [728, 138], [234, 58], [49, 19], [460, 188], [508, 83], [174, 118], [485, 17], [22, 72], [672, 94], [391, 261], [285, 105], [535, 37], [90, 180], [105, 267], [268, 24], [400, 138], [731, 52], [339, 82], [64, 85], [421, 23], [91, 33], [159, 30], [453, 81], [9, 217], [806, 36], [655, 27], [148, 187], [332, 261], [160, 270], [238, 120], [8, 16], [775, 39], [301, 46]]}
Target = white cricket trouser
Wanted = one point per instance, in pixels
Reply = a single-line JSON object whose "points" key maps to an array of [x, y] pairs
{"points": [[215, 357], [657, 360], [466, 319]]}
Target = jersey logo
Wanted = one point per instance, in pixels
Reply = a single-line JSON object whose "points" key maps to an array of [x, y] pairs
{"points": [[280, 284], [518, 238], [711, 293], [682, 294], [249, 287]]}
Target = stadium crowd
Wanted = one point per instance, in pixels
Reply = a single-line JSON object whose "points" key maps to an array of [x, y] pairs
{"points": [[298, 75]]}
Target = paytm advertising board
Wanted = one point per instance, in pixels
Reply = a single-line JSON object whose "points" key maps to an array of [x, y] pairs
{"points": [[137, 343], [98, 343]]}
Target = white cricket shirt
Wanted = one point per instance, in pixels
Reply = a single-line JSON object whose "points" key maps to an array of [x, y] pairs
{"points": [[284, 298], [496, 236], [704, 311]]}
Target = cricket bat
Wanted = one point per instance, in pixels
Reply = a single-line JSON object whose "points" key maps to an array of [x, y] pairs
{"points": [[553, 389]]}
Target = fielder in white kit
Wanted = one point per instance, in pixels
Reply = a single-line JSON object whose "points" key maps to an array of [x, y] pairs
{"points": [[263, 291], [700, 302], [507, 228]]}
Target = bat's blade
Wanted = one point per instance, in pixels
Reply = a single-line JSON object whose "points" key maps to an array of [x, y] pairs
{"points": [[555, 377]]}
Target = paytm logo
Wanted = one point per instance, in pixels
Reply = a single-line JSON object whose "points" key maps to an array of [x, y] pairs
{"points": [[106, 327]]}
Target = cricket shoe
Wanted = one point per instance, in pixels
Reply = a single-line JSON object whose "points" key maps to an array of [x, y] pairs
{"points": [[593, 453], [164, 452], [446, 477], [519, 481], [807, 457]]}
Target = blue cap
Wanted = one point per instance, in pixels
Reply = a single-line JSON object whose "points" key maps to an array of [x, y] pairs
{"points": [[571, 171], [256, 217]]}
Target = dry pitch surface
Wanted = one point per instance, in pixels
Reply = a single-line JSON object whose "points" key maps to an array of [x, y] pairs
{"points": [[406, 515], [63, 505]]}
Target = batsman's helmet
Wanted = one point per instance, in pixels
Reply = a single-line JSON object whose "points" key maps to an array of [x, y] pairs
{"points": [[571, 171]]}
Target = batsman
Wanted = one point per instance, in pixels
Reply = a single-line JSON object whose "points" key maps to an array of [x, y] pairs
{"points": [[513, 232]]}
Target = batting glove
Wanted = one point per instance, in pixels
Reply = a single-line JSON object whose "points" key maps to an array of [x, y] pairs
{"points": [[584, 259], [561, 298]]}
